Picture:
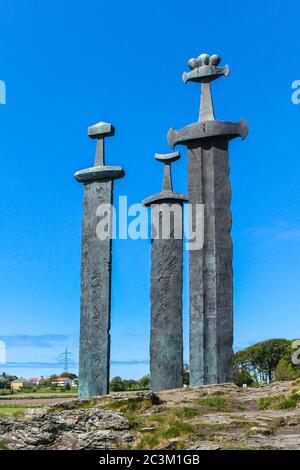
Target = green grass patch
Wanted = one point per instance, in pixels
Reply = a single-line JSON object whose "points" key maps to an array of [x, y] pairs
{"points": [[215, 402], [186, 412], [220, 403], [17, 411], [5, 391], [169, 427], [3, 446], [279, 402]]}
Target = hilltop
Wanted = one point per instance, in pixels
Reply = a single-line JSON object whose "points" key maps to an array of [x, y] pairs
{"points": [[211, 417]]}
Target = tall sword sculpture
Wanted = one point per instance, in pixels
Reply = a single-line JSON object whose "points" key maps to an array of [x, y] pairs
{"points": [[166, 339], [210, 268], [96, 269]]}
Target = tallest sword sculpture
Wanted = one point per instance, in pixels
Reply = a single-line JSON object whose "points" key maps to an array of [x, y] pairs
{"points": [[210, 268]]}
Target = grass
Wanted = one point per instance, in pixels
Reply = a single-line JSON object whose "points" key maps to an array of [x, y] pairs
{"points": [[169, 427], [177, 424], [216, 402], [279, 402], [186, 412], [17, 411], [219, 393], [5, 392], [3, 446], [129, 406]]}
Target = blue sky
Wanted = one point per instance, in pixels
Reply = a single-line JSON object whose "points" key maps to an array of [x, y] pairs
{"points": [[69, 64]]}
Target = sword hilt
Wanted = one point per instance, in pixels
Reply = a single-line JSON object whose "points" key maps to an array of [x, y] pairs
{"points": [[205, 69], [100, 171], [167, 159], [99, 131], [167, 193]]}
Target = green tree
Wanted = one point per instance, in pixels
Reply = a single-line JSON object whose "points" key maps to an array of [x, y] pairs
{"points": [[241, 377], [144, 382], [285, 371], [186, 374], [69, 375], [6, 379], [261, 359], [130, 384], [117, 385]]}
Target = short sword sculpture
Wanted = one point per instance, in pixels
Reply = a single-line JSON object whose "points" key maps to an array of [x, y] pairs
{"points": [[96, 269], [166, 342], [210, 268]]}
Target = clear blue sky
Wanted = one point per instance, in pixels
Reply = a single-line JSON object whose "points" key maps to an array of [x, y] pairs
{"points": [[68, 64]]}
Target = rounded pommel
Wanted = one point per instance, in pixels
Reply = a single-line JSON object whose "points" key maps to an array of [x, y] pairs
{"points": [[167, 194], [101, 130], [205, 68], [167, 157]]}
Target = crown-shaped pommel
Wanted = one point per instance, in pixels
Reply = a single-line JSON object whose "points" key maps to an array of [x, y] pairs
{"points": [[205, 69]]}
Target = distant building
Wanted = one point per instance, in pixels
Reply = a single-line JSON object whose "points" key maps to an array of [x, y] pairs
{"points": [[61, 381], [21, 384], [36, 380]]}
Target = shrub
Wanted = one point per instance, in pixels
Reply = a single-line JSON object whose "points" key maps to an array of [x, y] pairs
{"points": [[214, 401], [279, 402], [285, 371]]}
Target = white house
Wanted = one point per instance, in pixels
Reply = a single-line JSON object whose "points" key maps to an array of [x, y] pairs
{"points": [[62, 381], [36, 380]]}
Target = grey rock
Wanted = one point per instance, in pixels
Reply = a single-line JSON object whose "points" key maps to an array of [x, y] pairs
{"points": [[204, 445], [148, 429], [59, 428]]}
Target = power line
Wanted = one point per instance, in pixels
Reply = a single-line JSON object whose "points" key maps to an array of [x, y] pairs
{"points": [[65, 358]]}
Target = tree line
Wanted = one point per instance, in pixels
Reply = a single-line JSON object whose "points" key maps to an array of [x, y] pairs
{"points": [[266, 361]]}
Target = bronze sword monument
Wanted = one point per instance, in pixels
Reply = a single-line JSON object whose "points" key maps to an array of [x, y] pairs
{"points": [[210, 268], [166, 338], [96, 257]]}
